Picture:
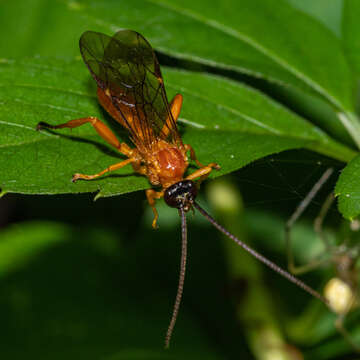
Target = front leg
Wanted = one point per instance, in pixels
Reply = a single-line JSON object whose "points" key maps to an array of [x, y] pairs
{"points": [[152, 195], [108, 169], [193, 157], [203, 173], [204, 170]]}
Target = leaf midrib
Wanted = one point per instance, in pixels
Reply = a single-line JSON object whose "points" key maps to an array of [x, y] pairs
{"points": [[51, 137], [183, 89], [269, 131]]}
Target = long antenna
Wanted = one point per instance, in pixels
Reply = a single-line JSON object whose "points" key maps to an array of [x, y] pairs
{"points": [[261, 258], [181, 278]]}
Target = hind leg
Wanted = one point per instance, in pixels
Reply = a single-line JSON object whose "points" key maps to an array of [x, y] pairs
{"points": [[100, 128]]}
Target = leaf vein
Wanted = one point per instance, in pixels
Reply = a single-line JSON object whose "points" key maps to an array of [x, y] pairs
{"points": [[250, 41]]}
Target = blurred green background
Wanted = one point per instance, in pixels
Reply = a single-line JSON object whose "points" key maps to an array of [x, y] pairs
{"points": [[92, 280]]}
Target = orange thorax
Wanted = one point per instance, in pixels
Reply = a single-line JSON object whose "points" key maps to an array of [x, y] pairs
{"points": [[166, 164]]}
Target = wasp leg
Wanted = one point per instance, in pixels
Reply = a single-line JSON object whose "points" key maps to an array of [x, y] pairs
{"points": [[152, 195], [175, 108], [140, 169], [110, 168], [194, 158], [100, 128], [203, 173]]}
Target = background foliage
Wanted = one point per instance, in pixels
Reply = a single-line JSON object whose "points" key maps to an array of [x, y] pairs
{"points": [[270, 89]]}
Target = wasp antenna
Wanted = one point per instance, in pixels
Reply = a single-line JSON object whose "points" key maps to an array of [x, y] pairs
{"points": [[260, 257], [181, 277]]}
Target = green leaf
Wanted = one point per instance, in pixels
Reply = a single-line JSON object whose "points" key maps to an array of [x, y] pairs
{"points": [[262, 38], [224, 121], [48, 28], [328, 12], [348, 189], [265, 39], [351, 33]]}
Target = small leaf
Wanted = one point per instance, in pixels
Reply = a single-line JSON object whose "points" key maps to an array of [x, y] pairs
{"points": [[348, 189]]}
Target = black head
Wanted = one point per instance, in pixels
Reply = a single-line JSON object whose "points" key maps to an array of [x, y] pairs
{"points": [[181, 194]]}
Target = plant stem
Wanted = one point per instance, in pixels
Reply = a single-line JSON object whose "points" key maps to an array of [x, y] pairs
{"points": [[351, 124]]}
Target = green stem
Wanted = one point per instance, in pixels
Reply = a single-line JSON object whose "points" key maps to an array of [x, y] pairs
{"points": [[351, 124]]}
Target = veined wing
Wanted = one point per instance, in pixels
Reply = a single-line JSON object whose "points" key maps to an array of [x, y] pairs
{"points": [[125, 67]]}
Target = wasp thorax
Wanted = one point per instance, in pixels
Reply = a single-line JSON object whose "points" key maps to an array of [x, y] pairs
{"points": [[181, 194]]}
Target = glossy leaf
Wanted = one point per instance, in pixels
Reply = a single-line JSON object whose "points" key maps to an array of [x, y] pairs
{"points": [[266, 38], [302, 56], [224, 121], [48, 28], [239, 26]]}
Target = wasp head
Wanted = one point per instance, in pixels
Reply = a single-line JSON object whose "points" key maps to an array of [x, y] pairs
{"points": [[181, 194]]}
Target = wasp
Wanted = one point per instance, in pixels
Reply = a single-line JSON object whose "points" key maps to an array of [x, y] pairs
{"points": [[131, 89]]}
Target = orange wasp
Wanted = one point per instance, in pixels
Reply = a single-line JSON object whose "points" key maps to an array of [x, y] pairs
{"points": [[131, 89]]}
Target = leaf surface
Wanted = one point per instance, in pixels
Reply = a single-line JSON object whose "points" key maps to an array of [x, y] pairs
{"points": [[259, 37], [224, 122], [351, 33]]}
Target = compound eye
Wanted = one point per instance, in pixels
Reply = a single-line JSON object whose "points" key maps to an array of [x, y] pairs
{"points": [[192, 190], [172, 200], [171, 196]]}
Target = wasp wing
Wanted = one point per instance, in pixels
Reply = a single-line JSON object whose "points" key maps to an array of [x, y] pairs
{"points": [[125, 67]]}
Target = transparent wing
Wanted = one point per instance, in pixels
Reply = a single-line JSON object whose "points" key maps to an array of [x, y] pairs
{"points": [[125, 66]]}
